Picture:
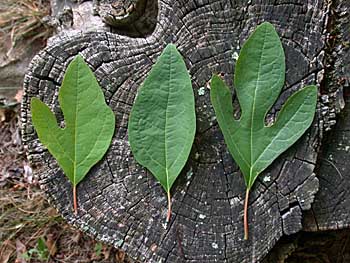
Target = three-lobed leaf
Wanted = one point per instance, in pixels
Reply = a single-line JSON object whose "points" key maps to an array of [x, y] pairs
{"points": [[259, 78], [162, 121], [89, 123]]}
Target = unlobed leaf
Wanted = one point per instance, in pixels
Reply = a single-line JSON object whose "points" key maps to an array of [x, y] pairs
{"points": [[162, 121]]}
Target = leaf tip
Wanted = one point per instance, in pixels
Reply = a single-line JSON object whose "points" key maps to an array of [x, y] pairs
{"points": [[267, 26], [170, 47], [34, 100], [215, 79], [313, 90], [310, 92], [79, 58], [216, 82], [35, 103]]}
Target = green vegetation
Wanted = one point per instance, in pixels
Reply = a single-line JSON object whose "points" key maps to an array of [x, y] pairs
{"points": [[259, 78], [89, 123], [162, 122]]}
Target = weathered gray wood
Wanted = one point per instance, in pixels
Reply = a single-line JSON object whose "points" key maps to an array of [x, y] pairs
{"points": [[331, 209], [120, 202], [136, 18]]}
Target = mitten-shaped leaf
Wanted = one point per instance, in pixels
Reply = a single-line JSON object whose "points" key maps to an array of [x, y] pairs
{"points": [[162, 121], [89, 123], [259, 78]]}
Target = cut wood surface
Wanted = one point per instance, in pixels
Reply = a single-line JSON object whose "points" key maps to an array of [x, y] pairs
{"points": [[120, 202]]}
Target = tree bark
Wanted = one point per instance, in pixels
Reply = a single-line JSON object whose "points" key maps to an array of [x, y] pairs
{"points": [[120, 202]]}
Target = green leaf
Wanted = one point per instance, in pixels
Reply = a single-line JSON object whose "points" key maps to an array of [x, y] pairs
{"points": [[89, 123], [42, 250], [259, 78], [41, 244], [162, 121], [98, 249]]}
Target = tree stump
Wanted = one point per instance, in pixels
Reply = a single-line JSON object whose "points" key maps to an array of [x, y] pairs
{"points": [[326, 234], [120, 202], [330, 210]]}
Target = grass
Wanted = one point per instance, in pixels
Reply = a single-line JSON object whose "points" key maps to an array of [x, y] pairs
{"points": [[22, 21], [27, 219]]}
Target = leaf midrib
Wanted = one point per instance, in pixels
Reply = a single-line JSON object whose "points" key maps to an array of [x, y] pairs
{"points": [[166, 124], [253, 111], [75, 127]]}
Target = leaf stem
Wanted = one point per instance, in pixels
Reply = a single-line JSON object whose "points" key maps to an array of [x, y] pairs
{"points": [[246, 227], [75, 199], [169, 208]]}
